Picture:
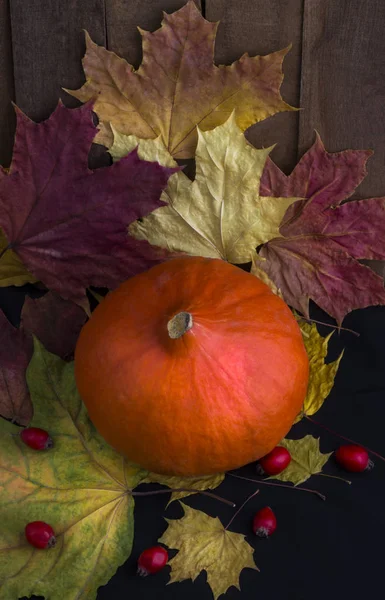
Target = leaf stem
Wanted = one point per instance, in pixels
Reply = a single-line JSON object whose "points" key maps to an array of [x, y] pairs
{"points": [[289, 487], [340, 328], [335, 477], [343, 437], [240, 508], [170, 491]]}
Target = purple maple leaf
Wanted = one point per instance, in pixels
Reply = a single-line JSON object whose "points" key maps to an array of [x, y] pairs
{"points": [[323, 238], [15, 353], [55, 322], [68, 224]]}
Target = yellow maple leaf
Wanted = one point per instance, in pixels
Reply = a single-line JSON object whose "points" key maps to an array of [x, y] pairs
{"points": [[193, 483], [203, 544], [306, 459], [321, 374], [81, 487], [12, 270], [220, 214], [177, 86]]}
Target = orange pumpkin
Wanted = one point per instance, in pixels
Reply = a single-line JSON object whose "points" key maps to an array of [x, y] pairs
{"points": [[191, 368]]}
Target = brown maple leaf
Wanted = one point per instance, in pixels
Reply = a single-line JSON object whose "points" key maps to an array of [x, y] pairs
{"points": [[177, 86]]}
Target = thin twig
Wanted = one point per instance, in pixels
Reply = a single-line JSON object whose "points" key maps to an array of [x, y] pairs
{"points": [[335, 477], [343, 437], [170, 491], [339, 327], [289, 487], [240, 508]]}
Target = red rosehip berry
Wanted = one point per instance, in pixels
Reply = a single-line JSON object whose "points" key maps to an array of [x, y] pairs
{"points": [[275, 462], [264, 522], [36, 438], [40, 535], [353, 458], [152, 560]]}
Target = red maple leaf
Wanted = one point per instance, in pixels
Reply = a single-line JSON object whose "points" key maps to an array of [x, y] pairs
{"points": [[68, 224], [322, 237]]}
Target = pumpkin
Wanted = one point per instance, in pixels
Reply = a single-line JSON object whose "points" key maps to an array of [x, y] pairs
{"points": [[191, 368]]}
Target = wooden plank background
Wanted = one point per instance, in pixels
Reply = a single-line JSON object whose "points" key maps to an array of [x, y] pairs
{"points": [[7, 90], [335, 70]]}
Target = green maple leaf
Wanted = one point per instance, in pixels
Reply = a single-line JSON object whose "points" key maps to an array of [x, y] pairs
{"points": [[81, 487]]}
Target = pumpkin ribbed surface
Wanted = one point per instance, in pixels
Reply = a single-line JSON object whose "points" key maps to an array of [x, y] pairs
{"points": [[191, 368]]}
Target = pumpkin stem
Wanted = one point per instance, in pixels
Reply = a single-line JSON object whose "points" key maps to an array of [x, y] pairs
{"points": [[179, 325]]}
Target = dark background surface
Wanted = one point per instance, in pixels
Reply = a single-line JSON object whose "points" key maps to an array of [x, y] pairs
{"points": [[335, 72]]}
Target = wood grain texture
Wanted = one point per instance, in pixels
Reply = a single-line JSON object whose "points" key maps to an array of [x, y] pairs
{"points": [[7, 92], [48, 45], [261, 27], [343, 81], [125, 16]]}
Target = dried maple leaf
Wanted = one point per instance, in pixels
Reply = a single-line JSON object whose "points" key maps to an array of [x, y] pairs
{"points": [[67, 223], [55, 322], [321, 239], [306, 459], [12, 270], [220, 214], [321, 374], [178, 87], [194, 483], [204, 544], [81, 487], [15, 354]]}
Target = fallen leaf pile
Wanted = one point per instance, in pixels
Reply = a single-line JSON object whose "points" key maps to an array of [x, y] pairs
{"points": [[65, 229]]}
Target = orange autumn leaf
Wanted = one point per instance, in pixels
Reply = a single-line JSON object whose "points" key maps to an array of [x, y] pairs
{"points": [[177, 86]]}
